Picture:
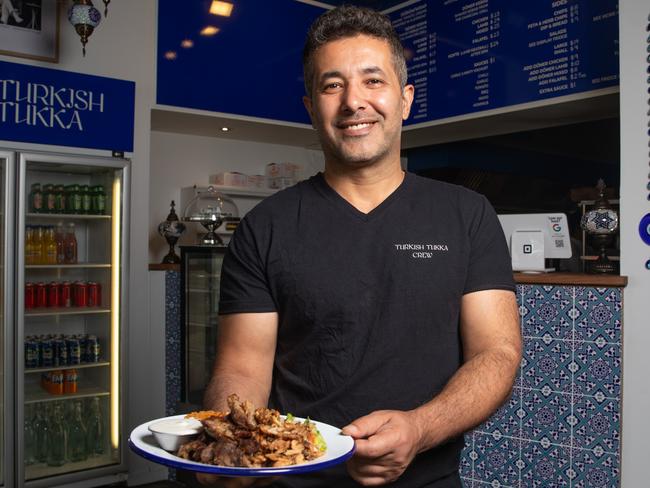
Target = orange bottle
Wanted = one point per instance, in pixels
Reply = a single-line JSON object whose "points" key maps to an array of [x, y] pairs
{"points": [[38, 254], [70, 245], [58, 238], [49, 246]]}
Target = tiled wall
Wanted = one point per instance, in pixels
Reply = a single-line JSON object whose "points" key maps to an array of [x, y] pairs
{"points": [[172, 340], [561, 426]]}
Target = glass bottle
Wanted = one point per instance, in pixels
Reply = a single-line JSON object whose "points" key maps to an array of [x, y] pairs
{"points": [[59, 237], [29, 245], [56, 441], [86, 200], [77, 436], [38, 252], [74, 199], [31, 440], [49, 198], [95, 432], [42, 428], [36, 198], [100, 200], [49, 246], [70, 245], [59, 202]]}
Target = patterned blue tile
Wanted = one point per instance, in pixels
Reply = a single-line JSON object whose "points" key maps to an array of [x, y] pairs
{"points": [[597, 424], [496, 459], [546, 311], [546, 363], [467, 457], [598, 368], [544, 466], [505, 420], [546, 417], [595, 471], [598, 315], [172, 340]]}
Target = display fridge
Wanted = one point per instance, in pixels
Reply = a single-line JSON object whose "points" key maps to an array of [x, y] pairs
{"points": [[63, 396], [200, 279]]}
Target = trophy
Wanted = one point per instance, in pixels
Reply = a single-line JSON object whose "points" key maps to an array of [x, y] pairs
{"points": [[601, 223], [171, 229]]}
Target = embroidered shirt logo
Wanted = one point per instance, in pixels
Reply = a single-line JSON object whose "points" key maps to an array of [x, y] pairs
{"points": [[421, 251]]}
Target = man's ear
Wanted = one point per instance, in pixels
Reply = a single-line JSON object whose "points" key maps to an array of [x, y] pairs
{"points": [[407, 100], [307, 102]]}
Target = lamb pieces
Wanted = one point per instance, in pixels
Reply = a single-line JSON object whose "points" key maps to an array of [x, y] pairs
{"points": [[249, 437]]}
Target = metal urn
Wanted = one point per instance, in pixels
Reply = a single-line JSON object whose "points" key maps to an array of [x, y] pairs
{"points": [[211, 209], [171, 229], [601, 224]]}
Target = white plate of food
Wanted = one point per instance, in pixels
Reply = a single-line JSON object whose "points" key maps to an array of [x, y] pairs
{"points": [[281, 446]]}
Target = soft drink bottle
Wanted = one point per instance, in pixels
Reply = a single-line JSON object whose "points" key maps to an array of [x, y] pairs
{"points": [[56, 447], [95, 432], [29, 244], [42, 428], [77, 436], [38, 252], [50, 245], [70, 245], [31, 440], [59, 238]]}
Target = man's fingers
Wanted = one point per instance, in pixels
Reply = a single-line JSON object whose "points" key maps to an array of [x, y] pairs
{"points": [[365, 426]]}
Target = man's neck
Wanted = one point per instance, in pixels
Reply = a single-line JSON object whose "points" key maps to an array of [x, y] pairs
{"points": [[364, 188]]}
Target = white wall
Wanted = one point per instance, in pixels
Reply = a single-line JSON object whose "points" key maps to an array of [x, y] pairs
{"points": [[634, 204], [123, 46], [179, 160]]}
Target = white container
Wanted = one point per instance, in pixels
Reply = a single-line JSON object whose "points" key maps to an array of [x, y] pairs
{"points": [[229, 178], [172, 433]]}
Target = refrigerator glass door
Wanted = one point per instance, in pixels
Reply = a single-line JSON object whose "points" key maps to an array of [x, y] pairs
{"points": [[71, 221], [6, 317], [200, 273]]}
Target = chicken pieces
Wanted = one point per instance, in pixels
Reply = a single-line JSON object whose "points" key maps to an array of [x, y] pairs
{"points": [[252, 438]]}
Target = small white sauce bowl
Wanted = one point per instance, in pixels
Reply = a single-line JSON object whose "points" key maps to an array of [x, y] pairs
{"points": [[172, 433]]}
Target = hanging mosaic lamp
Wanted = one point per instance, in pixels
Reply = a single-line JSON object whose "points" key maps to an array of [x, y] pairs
{"points": [[84, 17], [106, 2]]}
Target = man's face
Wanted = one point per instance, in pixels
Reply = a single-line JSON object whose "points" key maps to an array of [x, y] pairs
{"points": [[357, 105]]}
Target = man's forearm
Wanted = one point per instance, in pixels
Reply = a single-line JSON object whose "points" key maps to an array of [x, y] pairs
{"points": [[223, 384], [477, 389]]}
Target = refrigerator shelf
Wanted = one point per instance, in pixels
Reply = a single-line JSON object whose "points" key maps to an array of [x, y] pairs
{"points": [[67, 216], [42, 470], [68, 266], [70, 366], [46, 312], [36, 394]]}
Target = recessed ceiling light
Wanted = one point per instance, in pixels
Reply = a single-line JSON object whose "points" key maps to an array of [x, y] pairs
{"points": [[225, 129], [219, 7], [171, 55], [209, 30], [187, 43]]}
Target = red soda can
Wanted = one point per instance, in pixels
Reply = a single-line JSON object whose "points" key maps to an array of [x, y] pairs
{"points": [[41, 295], [94, 294], [70, 381], [30, 295], [53, 294], [80, 294], [65, 296]]}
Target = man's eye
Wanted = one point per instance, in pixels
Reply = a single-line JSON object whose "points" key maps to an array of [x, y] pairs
{"points": [[332, 86], [375, 81]]}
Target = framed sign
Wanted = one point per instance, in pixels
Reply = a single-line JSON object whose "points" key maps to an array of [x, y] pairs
{"points": [[30, 29]]}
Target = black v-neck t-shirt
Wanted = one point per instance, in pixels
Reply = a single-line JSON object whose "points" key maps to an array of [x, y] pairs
{"points": [[368, 304]]}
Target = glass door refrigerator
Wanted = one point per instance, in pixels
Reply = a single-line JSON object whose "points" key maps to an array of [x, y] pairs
{"points": [[71, 260], [7, 423], [200, 278]]}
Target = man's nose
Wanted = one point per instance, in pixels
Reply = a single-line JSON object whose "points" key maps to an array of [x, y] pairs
{"points": [[353, 99]]}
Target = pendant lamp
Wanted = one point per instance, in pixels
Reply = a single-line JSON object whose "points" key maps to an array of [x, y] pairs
{"points": [[84, 17]]}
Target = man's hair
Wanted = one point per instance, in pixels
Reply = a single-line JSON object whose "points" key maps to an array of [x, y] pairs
{"points": [[351, 21]]}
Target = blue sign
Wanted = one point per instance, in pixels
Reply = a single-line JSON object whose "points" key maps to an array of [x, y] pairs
{"points": [[48, 106], [467, 56], [464, 56]]}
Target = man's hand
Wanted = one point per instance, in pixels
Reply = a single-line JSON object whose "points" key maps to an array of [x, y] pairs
{"points": [[386, 442], [215, 481]]}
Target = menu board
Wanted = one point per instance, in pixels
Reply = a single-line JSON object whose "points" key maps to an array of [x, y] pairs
{"points": [[467, 56]]}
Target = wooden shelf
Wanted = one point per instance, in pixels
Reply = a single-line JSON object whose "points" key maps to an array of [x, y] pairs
{"points": [[571, 279], [164, 267], [245, 192]]}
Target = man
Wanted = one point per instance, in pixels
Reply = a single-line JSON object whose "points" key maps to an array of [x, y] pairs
{"points": [[365, 297]]}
